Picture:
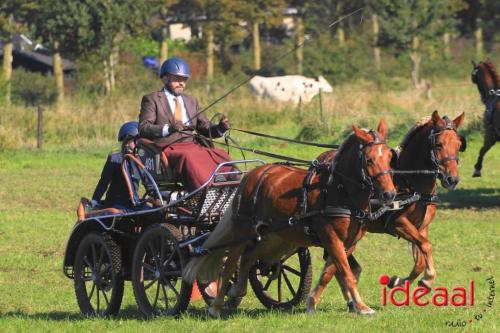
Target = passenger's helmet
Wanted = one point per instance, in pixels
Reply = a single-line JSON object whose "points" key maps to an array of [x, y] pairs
{"points": [[128, 129], [175, 66]]}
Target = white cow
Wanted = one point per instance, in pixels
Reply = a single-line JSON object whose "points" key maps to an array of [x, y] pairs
{"points": [[289, 88]]}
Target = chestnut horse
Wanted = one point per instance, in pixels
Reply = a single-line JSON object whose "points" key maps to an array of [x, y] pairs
{"points": [[432, 145], [271, 200], [487, 80]]}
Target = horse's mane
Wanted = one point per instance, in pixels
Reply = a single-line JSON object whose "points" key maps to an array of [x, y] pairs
{"points": [[419, 125], [344, 147], [493, 71]]}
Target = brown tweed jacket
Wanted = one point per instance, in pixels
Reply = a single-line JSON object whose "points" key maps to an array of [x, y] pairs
{"points": [[155, 113]]}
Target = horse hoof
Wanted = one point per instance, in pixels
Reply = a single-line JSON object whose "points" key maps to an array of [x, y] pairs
{"points": [[367, 311], [351, 307], [311, 305], [394, 282], [424, 284], [476, 173], [311, 311], [233, 302], [213, 313]]}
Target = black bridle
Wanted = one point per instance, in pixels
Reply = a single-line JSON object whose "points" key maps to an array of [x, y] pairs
{"points": [[435, 146], [366, 179]]}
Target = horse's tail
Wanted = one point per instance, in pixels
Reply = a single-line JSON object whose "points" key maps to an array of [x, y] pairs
{"points": [[208, 267]]}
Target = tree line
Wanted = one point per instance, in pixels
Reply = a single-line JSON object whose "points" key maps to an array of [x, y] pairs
{"points": [[77, 29]]}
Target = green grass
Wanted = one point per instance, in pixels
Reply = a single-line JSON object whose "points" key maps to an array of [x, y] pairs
{"points": [[39, 192]]}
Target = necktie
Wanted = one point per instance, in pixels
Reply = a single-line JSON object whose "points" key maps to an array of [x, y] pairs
{"points": [[178, 109]]}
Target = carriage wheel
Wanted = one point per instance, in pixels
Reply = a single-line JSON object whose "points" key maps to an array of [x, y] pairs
{"points": [[98, 275], [231, 303], [157, 272], [284, 283]]}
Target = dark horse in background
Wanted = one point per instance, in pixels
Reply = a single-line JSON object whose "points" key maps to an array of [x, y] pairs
{"points": [[431, 145], [485, 76], [270, 195]]}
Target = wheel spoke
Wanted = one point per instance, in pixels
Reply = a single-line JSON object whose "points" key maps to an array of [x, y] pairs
{"points": [[289, 284], [146, 287], [164, 290], [148, 267], [268, 283], [171, 286], [92, 291], [152, 249], [169, 260], [156, 296], [86, 260], [98, 307], [285, 258], [105, 298], [291, 270], [279, 288]]}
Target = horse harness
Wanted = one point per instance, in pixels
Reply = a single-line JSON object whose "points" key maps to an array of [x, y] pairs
{"points": [[316, 168]]}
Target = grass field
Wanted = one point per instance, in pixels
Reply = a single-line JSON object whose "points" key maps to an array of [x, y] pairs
{"points": [[39, 192]]}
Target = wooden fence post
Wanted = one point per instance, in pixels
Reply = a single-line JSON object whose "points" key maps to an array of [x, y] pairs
{"points": [[39, 127], [321, 115]]}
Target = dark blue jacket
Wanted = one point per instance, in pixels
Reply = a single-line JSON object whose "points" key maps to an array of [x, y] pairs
{"points": [[113, 183]]}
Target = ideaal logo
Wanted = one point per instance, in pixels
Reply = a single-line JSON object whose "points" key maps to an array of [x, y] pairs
{"points": [[457, 296]]}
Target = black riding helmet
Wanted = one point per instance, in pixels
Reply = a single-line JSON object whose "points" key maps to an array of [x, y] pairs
{"points": [[128, 129]]}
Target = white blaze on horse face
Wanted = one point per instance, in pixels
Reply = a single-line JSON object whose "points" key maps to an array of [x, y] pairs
{"points": [[379, 151]]}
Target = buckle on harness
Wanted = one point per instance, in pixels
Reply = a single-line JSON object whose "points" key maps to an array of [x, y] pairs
{"points": [[260, 224]]}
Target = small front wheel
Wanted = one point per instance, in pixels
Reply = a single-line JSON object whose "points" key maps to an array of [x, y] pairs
{"points": [[98, 275], [157, 272]]}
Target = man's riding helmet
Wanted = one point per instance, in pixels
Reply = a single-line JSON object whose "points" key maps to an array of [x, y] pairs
{"points": [[175, 66], [129, 129]]}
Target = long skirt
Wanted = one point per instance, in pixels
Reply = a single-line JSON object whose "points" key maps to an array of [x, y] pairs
{"points": [[193, 164]]}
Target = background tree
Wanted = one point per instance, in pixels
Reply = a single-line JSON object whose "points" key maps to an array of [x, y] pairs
{"points": [[112, 21], [405, 25], [256, 12], [13, 14], [481, 18], [218, 23], [61, 26], [158, 21]]}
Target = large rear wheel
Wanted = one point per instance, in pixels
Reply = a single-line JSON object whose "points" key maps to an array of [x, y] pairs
{"points": [[98, 275], [284, 283], [157, 272]]}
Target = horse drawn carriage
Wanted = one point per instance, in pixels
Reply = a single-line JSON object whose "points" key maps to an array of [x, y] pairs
{"points": [[151, 246]]}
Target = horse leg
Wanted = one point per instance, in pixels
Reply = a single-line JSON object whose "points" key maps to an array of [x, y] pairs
{"points": [[326, 275], [328, 271], [249, 257], [409, 232], [229, 268], [488, 142], [335, 247]]}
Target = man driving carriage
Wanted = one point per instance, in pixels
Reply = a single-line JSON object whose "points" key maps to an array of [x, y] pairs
{"points": [[171, 119]]}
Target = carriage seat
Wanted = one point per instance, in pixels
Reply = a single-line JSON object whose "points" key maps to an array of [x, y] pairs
{"points": [[155, 162]]}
